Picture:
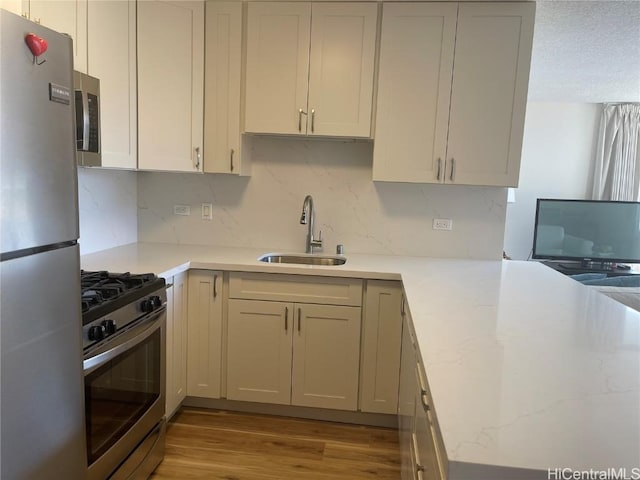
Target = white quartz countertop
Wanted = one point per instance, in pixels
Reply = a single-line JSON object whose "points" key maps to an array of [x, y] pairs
{"points": [[529, 370]]}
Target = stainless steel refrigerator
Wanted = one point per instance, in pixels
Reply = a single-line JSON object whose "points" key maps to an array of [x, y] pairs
{"points": [[41, 379]]}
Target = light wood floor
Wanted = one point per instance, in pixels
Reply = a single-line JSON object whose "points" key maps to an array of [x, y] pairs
{"points": [[211, 444]]}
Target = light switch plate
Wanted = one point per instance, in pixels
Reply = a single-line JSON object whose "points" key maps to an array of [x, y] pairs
{"points": [[207, 211]]}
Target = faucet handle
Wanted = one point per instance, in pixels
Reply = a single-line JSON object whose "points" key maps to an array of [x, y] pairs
{"points": [[317, 242]]}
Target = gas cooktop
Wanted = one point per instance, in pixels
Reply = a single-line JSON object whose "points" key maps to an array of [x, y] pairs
{"points": [[104, 292]]}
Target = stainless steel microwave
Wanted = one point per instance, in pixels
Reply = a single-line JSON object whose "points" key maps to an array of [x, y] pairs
{"points": [[87, 99]]}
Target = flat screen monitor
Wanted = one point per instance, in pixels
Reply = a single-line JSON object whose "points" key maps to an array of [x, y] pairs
{"points": [[587, 231]]}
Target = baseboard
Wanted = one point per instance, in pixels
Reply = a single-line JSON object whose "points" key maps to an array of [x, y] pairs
{"points": [[341, 416]]}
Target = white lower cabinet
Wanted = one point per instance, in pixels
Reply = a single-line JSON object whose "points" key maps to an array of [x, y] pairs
{"points": [[204, 338], [259, 336], [407, 399], [326, 356], [288, 352], [421, 448], [176, 338], [381, 339], [302, 340]]}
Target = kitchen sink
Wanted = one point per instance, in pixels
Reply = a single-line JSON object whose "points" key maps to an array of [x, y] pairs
{"points": [[302, 259]]}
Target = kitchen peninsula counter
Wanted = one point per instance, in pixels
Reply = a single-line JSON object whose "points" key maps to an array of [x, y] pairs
{"points": [[529, 370]]}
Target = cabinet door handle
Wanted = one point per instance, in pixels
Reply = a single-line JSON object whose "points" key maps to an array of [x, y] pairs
{"points": [[215, 286], [231, 159], [313, 117], [299, 318], [439, 168], [197, 157], [286, 318], [452, 177], [425, 401], [300, 113]]}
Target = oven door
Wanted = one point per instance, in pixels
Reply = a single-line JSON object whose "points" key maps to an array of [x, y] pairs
{"points": [[124, 381]]}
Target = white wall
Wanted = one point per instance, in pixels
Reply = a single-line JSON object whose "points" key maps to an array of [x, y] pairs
{"points": [[557, 162], [264, 209], [108, 213]]}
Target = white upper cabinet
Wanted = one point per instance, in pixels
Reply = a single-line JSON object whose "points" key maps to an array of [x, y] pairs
{"points": [[343, 46], [223, 142], [489, 93], [111, 35], [310, 68], [170, 85], [452, 92], [278, 36], [19, 7], [65, 16], [414, 90]]}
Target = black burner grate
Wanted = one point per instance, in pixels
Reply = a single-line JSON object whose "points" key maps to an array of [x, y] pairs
{"points": [[101, 287]]}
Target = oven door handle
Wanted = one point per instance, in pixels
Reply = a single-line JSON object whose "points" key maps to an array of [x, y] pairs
{"points": [[133, 337]]}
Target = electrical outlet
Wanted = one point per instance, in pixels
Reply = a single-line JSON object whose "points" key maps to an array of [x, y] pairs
{"points": [[442, 224], [207, 211], [181, 210]]}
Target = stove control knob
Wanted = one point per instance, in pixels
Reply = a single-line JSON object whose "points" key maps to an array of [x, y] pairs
{"points": [[157, 301], [97, 332], [109, 327], [147, 306]]}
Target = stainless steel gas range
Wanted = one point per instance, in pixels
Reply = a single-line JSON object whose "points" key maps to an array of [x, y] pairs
{"points": [[124, 318]]}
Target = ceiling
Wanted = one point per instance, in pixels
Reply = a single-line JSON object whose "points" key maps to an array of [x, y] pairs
{"points": [[586, 51]]}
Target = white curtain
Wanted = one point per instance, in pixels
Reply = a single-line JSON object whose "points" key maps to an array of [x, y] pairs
{"points": [[617, 167]]}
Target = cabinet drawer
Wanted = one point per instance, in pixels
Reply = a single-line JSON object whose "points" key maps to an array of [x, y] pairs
{"points": [[425, 412], [296, 288]]}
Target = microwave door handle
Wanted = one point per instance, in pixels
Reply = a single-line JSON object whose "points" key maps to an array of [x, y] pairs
{"points": [[143, 332], [85, 121]]}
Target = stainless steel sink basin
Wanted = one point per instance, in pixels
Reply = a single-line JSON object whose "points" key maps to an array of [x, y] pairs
{"points": [[302, 259]]}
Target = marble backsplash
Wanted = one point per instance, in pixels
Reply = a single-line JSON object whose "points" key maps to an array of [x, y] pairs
{"points": [[108, 213], [264, 210]]}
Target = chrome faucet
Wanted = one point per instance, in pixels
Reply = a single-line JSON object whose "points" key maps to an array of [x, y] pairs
{"points": [[307, 219]]}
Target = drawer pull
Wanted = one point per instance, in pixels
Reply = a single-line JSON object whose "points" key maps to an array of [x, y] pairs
{"points": [[286, 318], [299, 319]]}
